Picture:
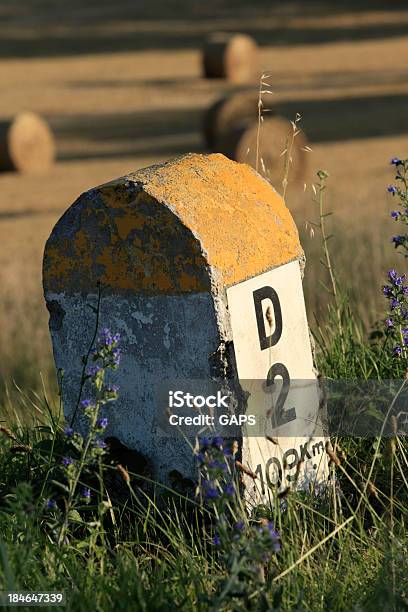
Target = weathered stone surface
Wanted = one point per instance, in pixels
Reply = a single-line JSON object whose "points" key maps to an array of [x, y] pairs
{"points": [[164, 244]]}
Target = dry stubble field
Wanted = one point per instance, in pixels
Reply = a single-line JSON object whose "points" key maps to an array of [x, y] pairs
{"points": [[122, 92]]}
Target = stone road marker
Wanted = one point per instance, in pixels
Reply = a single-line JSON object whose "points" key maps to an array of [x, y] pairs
{"points": [[233, 57], [191, 255], [26, 144]]}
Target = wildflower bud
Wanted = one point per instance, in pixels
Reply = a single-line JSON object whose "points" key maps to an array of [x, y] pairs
{"points": [[86, 495], [397, 351], [218, 442], [123, 472], [334, 458], [394, 424], [102, 423], [372, 489], [21, 448], [322, 175], [395, 161], [6, 431]]}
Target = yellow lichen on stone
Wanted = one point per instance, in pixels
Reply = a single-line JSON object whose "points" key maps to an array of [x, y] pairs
{"points": [[169, 228], [241, 222]]}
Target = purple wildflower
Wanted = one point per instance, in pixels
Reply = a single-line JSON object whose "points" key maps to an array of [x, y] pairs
{"points": [[392, 189], [397, 351], [218, 442], [229, 490], [395, 214], [394, 304], [211, 493], [398, 240], [86, 493], [200, 458], [217, 465], [389, 322], [66, 461], [392, 274], [204, 444], [102, 423], [387, 291], [100, 444], [276, 546], [274, 535], [216, 540], [50, 504], [272, 531], [116, 356], [112, 388], [69, 432], [93, 370], [108, 339], [395, 161], [87, 403], [105, 337]]}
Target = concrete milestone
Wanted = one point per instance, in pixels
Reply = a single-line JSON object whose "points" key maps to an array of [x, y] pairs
{"points": [[198, 266]]}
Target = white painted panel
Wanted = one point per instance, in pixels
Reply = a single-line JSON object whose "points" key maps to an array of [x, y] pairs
{"points": [[278, 343]]}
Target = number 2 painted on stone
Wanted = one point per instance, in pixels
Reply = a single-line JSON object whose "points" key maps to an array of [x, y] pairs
{"points": [[279, 415]]}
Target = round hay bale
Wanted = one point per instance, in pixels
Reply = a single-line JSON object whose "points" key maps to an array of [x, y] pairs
{"points": [[26, 144], [276, 134], [230, 56], [227, 113]]}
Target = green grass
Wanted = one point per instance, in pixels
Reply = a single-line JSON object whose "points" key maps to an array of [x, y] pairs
{"points": [[347, 550]]}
